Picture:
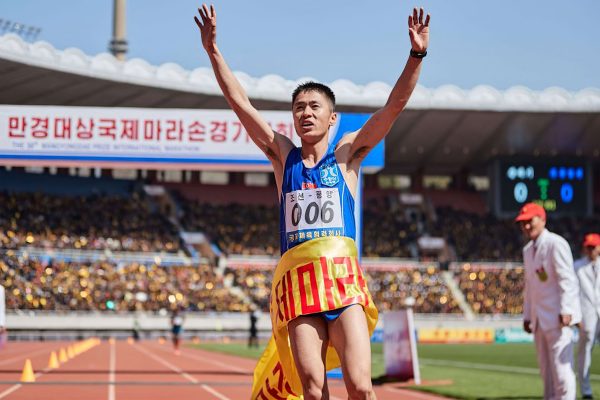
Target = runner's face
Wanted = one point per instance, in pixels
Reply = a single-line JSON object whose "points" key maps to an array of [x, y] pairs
{"points": [[312, 116]]}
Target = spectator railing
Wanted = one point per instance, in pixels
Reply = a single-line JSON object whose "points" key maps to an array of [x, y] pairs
{"points": [[73, 255]]}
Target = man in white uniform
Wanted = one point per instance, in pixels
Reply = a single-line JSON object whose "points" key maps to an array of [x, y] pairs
{"points": [[551, 302], [587, 269]]}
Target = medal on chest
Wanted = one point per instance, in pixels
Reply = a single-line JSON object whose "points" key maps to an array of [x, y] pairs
{"points": [[542, 274]]}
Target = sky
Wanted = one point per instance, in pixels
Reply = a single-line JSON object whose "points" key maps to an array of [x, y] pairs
{"points": [[537, 44]]}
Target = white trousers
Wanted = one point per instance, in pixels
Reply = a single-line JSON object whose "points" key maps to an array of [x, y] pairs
{"points": [[555, 356], [587, 337]]}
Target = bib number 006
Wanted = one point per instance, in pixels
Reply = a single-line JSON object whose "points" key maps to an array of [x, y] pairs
{"points": [[313, 209], [312, 213]]}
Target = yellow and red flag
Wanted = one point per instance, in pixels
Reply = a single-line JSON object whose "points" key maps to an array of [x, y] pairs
{"points": [[316, 276]]}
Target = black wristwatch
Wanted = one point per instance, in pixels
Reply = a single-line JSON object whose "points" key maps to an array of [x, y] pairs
{"points": [[416, 54]]}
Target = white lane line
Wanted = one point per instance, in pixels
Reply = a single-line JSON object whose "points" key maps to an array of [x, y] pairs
{"points": [[10, 349], [111, 371], [10, 390], [214, 392], [26, 356], [224, 365], [203, 359], [414, 394], [18, 385], [184, 374]]}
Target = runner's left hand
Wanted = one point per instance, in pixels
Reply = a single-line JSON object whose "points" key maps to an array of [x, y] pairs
{"points": [[418, 30]]}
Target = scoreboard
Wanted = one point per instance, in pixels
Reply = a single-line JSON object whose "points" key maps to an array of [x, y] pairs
{"points": [[561, 186]]}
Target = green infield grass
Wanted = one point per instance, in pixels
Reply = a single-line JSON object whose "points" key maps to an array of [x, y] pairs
{"points": [[477, 371]]}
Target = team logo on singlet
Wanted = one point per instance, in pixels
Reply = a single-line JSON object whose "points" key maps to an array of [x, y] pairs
{"points": [[329, 174]]}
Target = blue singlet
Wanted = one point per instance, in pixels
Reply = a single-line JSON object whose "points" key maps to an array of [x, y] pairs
{"points": [[315, 202]]}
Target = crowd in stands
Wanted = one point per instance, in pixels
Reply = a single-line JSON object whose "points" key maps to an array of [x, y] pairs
{"points": [[235, 228], [389, 289], [104, 286], [492, 290], [486, 238], [254, 229], [94, 222], [574, 229], [476, 237], [255, 283], [388, 231], [100, 222]]}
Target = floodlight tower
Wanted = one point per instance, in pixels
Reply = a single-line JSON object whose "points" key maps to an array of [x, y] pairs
{"points": [[118, 44], [28, 33]]}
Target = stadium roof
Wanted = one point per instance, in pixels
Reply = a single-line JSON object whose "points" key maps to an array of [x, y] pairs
{"points": [[443, 130]]}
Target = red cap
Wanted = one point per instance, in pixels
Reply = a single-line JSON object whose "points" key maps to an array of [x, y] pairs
{"points": [[530, 210], [591, 239]]}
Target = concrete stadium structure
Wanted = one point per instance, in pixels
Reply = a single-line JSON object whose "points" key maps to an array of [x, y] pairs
{"points": [[445, 130]]}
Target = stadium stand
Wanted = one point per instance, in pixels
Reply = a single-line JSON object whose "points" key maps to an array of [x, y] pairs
{"points": [[391, 289], [106, 286], [120, 217], [255, 283], [235, 228], [393, 284], [95, 221], [492, 289], [478, 237], [388, 232], [54, 243]]}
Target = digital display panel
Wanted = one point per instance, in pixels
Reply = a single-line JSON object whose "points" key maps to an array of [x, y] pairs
{"points": [[561, 186]]}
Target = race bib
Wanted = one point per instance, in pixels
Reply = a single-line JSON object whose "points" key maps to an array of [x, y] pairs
{"points": [[313, 213]]}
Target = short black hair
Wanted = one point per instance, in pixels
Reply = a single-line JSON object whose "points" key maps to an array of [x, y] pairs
{"points": [[311, 86]]}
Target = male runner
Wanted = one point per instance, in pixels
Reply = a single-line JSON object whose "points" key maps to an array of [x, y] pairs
{"points": [[318, 282]]}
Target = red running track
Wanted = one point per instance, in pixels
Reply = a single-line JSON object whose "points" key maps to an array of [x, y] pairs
{"points": [[142, 371]]}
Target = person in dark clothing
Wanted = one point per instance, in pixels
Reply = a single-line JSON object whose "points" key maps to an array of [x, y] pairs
{"points": [[176, 327], [253, 338]]}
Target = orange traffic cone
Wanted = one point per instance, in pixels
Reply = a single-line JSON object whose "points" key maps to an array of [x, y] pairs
{"points": [[53, 362], [62, 355], [70, 353], [27, 375]]}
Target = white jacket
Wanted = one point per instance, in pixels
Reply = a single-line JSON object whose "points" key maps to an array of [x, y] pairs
{"points": [[551, 286], [589, 288]]}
